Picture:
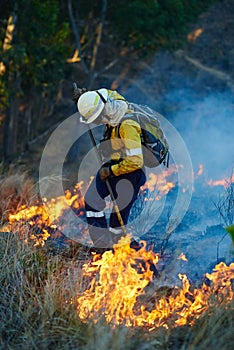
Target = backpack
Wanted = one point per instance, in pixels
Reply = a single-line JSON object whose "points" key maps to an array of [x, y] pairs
{"points": [[156, 149]]}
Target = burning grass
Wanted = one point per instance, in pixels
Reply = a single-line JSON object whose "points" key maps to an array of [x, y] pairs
{"points": [[54, 300], [17, 188], [119, 280], [37, 313]]}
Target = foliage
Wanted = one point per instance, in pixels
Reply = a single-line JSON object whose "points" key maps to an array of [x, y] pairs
{"points": [[33, 52], [225, 204], [45, 50], [230, 230], [154, 24], [35, 60], [4, 94], [38, 51]]}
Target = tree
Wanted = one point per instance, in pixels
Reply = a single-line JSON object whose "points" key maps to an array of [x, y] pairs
{"points": [[137, 27], [34, 39], [32, 66], [95, 39], [150, 25]]}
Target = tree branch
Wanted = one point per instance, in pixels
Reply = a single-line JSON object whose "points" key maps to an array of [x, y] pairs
{"points": [[97, 43], [77, 36]]}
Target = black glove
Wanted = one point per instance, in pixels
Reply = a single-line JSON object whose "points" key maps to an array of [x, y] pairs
{"points": [[77, 92], [105, 150], [104, 172]]}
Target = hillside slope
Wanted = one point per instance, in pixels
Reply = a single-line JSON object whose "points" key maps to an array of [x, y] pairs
{"points": [[205, 64]]}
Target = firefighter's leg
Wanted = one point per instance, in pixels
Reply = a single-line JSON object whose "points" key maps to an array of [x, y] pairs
{"points": [[125, 188], [94, 205]]}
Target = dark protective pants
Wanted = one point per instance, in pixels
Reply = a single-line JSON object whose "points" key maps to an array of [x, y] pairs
{"points": [[125, 189]]}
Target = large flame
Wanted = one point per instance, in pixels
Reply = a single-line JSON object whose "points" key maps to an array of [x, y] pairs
{"points": [[35, 222], [161, 182], [123, 275], [119, 280]]}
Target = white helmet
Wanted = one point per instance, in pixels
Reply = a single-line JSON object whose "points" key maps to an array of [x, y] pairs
{"points": [[91, 104]]}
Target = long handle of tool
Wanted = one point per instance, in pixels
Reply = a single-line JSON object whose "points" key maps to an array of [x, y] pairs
{"points": [[108, 184]]}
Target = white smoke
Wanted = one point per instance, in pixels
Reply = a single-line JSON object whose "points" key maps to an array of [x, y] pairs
{"points": [[202, 111], [207, 127], [203, 115]]}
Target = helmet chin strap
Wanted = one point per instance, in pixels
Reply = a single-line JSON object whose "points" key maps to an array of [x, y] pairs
{"points": [[101, 97]]}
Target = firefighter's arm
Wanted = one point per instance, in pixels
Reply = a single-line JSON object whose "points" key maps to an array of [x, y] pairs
{"points": [[129, 132], [115, 108]]}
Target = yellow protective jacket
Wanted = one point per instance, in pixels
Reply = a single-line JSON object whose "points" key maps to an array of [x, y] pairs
{"points": [[126, 142], [127, 148]]}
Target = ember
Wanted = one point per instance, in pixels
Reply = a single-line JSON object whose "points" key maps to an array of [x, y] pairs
{"points": [[222, 182], [195, 34], [200, 171], [183, 257]]}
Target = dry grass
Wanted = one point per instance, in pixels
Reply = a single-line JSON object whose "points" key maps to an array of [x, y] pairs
{"points": [[16, 189], [36, 312], [36, 288]]}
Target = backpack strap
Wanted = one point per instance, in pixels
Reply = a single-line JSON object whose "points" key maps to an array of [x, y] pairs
{"points": [[107, 133], [167, 159]]}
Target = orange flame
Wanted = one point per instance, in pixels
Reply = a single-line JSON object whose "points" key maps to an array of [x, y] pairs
{"points": [[37, 217], [160, 181], [120, 278], [222, 182], [182, 257], [200, 171]]}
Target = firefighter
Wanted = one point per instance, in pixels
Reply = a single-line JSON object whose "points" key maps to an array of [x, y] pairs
{"points": [[124, 168]]}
